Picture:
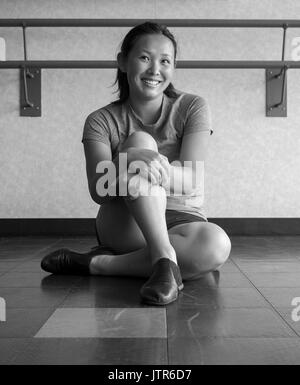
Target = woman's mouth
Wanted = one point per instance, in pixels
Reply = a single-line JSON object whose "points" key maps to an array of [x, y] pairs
{"points": [[151, 83]]}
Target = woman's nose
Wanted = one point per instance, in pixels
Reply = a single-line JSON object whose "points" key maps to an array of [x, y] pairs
{"points": [[154, 68]]}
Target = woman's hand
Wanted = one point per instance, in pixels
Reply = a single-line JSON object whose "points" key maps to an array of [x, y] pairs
{"points": [[150, 164], [165, 171]]}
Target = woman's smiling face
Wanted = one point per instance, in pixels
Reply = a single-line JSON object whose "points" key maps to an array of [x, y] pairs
{"points": [[150, 66]]}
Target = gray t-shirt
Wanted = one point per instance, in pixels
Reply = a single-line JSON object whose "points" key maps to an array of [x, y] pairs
{"points": [[180, 115]]}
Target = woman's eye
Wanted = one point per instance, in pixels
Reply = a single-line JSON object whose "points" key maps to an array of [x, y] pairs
{"points": [[145, 58], [166, 61]]}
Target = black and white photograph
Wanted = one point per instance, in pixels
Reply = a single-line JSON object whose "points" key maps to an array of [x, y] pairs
{"points": [[149, 185]]}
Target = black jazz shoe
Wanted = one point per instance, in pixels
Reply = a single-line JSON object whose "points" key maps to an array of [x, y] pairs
{"points": [[164, 284], [65, 261]]}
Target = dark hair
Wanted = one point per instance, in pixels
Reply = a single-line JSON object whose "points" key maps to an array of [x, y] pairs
{"points": [[147, 28]]}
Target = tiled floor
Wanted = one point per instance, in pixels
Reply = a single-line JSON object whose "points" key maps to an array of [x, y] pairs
{"points": [[240, 315]]}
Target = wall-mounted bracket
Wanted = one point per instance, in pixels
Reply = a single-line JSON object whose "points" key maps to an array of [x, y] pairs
{"points": [[276, 85], [30, 91], [276, 100]]}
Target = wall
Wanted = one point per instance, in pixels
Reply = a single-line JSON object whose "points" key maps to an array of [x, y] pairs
{"points": [[253, 163]]}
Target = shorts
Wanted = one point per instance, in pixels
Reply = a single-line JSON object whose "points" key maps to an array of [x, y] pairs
{"points": [[174, 217]]}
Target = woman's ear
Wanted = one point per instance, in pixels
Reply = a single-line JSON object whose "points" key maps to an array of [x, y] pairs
{"points": [[121, 62]]}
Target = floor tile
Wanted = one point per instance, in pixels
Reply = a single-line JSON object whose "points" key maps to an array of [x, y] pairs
{"points": [[41, 279], [21, 323], [25, 248], [23, 297], [3, 239], [16, 257], [274, 279], [221, 318], [280, 297], [105, 323], [21, 250], [234, 351], [31, 240], [265, 255], [220, 279], [31, 266], [8, 265], [88, 239], [105, 292], [203, 321], [94, 351], [229, 267], [269, 267], [96, 281], [288, 315], [221, 297], [10, 348], [265, 248]]}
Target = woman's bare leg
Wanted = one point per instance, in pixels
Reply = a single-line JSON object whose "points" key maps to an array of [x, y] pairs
{"points": [[149, 213], [200, 247]]}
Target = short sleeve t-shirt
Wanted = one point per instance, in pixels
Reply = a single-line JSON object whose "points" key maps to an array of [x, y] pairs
{"points": [[180, 115]]}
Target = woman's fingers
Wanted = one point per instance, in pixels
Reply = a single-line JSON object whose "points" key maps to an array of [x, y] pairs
{"points": [[164, 177], [149, 172], [160, 169], [154, 167], [164, 161], [155, 170], [152, 175], [165, 171]]}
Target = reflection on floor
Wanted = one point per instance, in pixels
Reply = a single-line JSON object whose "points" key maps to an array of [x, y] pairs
{"points": [[241, 315]]}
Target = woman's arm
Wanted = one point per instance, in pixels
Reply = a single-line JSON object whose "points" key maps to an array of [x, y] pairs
{"points": [[188, 174], [96, 152], [103, 171]]}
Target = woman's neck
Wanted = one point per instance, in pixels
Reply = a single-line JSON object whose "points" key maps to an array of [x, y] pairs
{"points": [[148, 111]]}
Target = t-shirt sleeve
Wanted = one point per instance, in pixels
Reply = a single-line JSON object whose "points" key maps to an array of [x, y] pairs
{"points": [[198, 117], [96, 128]]}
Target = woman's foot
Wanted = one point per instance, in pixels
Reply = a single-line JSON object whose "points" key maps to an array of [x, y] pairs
{"points": [[65, 261], [164, 284]]}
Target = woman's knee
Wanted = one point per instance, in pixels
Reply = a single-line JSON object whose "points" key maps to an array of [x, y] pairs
{"points": [[117, 227], [209, 249], [140, 139], [219, 245]]}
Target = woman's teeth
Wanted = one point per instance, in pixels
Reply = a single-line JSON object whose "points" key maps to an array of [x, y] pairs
{"points": [[151, 82]]}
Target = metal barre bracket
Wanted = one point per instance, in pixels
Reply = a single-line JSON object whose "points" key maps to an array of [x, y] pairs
{"points": [[276, 105], [30, 83], [276, 100]]}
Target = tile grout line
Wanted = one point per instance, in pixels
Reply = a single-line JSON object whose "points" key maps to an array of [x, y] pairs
{"points": [[167, 342], [272, 306], [28, 339]]}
